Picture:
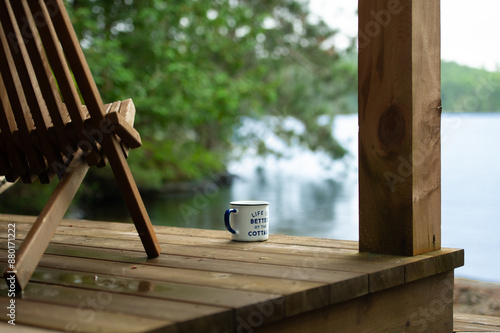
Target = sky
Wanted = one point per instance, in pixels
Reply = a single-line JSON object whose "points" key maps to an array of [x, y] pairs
{"points": [[468, 28]]}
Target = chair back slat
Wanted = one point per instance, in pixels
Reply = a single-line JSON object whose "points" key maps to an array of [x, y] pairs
{"points": [[58, 63], [64, 75], [77, 61], [31, 87], [50, 101], [46, 82], [64, 50], [13, 158], [16, 96]]}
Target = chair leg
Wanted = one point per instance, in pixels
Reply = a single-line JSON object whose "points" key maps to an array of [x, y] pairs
{"points": [[38, 238], [131, 195]]}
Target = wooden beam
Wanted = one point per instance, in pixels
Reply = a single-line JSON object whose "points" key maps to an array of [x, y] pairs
{"points": [[399, 126], [391, 310]]}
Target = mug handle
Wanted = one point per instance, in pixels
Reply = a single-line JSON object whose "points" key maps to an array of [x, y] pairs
{"points": [[226, 220]]}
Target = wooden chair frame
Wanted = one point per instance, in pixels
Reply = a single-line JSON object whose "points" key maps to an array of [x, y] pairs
{"points": [[46, 128]]}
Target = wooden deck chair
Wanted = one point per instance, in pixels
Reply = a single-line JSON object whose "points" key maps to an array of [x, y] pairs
{"points": [[53, 122]]}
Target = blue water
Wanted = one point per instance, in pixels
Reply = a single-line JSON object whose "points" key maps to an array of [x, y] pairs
{"points": [[470, 191]]}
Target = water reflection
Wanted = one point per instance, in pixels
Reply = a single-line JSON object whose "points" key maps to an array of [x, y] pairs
{"points": [[200, 208], [298, 206]]}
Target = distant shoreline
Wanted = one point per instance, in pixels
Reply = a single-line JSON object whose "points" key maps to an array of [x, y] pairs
{"points": [[476, 297]]}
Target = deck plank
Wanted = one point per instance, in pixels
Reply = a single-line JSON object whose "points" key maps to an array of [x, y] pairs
{"points": [[381, 274], [117, 300], [385, 271], [74, 319], [269, 276], [166, 230], [146, 294], [296, 291], [217, 239], [463, 322], [202, 282]]}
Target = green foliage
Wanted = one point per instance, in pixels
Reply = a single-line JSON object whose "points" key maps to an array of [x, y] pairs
{"points": [[466, 89], [27, 199], [195, 69]]}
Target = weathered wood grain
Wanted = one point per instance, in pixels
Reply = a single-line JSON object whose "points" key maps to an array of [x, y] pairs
{"points": [[122, 120], [299, 285], [381, 273], [110, 294], [74, 319], [295, 274], [399, 126]]}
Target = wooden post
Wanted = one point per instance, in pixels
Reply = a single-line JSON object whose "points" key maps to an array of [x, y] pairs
{"points": [[399, 126]]}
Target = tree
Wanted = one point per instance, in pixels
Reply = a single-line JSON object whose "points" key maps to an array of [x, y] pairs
{"points": [[466, 89], [196, 69]]}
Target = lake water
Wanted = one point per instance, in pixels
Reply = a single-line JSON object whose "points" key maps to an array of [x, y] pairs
{"points": [[312, 196]]}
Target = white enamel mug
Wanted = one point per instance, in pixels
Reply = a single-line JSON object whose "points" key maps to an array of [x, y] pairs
{"points": [[248, 221]]}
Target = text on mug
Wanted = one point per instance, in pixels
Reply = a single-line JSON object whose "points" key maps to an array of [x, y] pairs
{"points": [[259, 212], [257, 233], [256, 221]]}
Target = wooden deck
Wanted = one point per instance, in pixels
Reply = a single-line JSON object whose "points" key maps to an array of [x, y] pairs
{"points": [[95, 276], [475, 323]]}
